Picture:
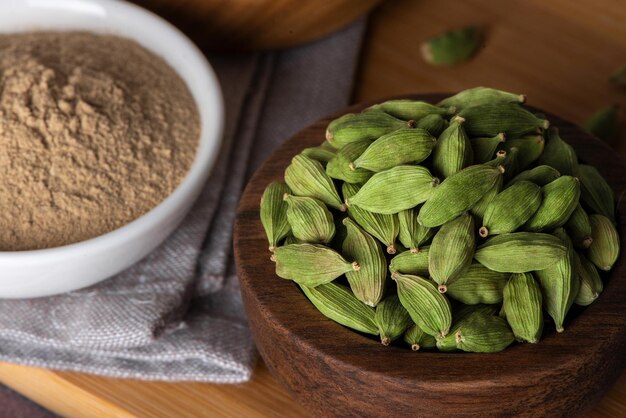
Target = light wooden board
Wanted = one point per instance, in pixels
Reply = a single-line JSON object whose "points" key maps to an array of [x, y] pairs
{"points": [[558, 52], [78, 395]]}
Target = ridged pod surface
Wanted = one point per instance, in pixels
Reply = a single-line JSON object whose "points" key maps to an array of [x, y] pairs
{"points": [[522, 306], [452, 250], [559, 283], [520, 252], [394, 190], [307, 177], [337, 302], [428, 308], [458, 193], [273, 213], [368, 282], [392, 319]]}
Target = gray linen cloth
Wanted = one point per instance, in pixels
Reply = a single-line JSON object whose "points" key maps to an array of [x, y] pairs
{"points": [[177, 315]]}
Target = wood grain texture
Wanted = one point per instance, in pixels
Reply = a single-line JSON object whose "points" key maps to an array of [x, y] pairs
{"points": [[251, 25], [558, 52], [334, 371], [86, 396]]}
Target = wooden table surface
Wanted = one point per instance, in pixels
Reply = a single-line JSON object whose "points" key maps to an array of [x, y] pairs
{"points": [[558, 52]]}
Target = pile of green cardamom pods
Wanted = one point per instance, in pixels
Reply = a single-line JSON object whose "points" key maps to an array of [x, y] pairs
{"points": [[458, 225]]}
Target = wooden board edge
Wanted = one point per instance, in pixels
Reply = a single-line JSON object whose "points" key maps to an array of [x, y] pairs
{"points": [[52, 391]]}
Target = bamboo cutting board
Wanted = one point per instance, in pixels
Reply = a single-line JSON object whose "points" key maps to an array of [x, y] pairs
{"points": [[560, 53]]}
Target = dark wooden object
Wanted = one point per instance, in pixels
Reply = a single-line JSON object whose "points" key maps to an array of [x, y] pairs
{"points": [[334, 371], [244, 25]]}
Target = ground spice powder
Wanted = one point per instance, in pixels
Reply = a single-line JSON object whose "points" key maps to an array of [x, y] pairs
{"points": [[94, 132]]}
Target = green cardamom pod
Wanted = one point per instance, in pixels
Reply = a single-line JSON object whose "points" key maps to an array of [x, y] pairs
{"points": [[619, 77], [310, 264], [273, 213], [396, 189], [478, 332], [340, 167], [603, 123], [392, 319], [428, 308], [484, 149], [510, 118], [595, 192], [448, 343], [522, 307], [323, 154], [382, 227], [478, 210], [558, 154], [458, 193], [408, 262], [337, 302], [540, 175], [463, 311], [579, 228], [412, 234], [520, 252], [604, 248], [406, 109], [452, 47], [484, 334], [309, 219], [559, 200], [434, 124], [478, 285], [480, 96], [511, 208], [530, 148], [590, 282], [368, 282], [396, 148], [560, 283], [453, 151], [460, 315], [365, 126], [417, 338], [306, 177], [452, 250]]}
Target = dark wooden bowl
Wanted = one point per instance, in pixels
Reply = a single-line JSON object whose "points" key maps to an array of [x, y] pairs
{"points": [[334, 371]]}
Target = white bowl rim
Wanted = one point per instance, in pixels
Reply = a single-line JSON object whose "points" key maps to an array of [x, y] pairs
{"points": [[206, 153]]}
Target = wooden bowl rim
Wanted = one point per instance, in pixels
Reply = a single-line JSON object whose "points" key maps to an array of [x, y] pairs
{"points": [[302, 324]]}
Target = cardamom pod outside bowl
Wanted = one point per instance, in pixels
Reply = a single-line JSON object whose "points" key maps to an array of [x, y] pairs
{"points": [[334, 371]]}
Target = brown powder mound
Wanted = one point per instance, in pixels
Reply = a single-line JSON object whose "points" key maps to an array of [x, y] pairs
{"points": [[94, 132]]}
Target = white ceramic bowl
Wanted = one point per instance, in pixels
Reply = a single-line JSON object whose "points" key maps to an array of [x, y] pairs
{"points": [[27, 274]]}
